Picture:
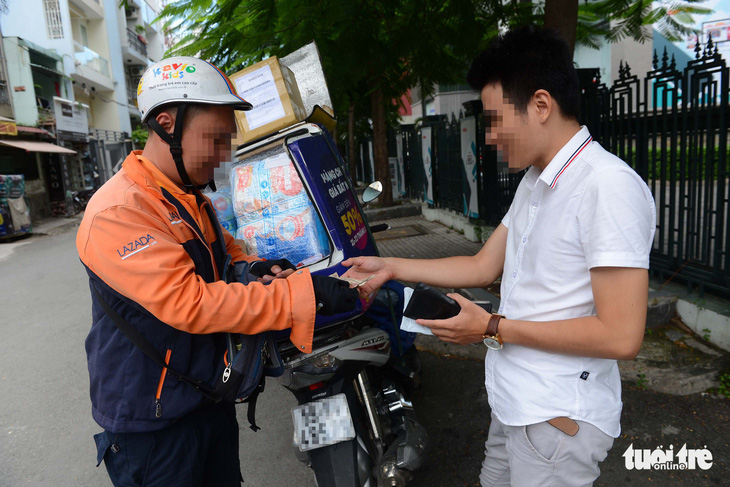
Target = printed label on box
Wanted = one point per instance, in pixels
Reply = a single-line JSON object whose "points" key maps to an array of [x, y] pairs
{"points": [[259, 89]]}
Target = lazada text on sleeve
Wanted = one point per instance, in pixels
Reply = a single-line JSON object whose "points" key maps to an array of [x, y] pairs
{"points": [[668, 459]]}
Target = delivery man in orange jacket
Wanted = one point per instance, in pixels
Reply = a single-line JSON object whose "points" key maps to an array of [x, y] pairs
{"points": [[151, 252]]}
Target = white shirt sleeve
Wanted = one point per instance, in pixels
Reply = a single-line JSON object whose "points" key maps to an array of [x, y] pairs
{"points": [[505, 220], [617, 220]]}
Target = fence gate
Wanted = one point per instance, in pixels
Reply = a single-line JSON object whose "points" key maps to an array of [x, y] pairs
{"points": [[673, 131]]}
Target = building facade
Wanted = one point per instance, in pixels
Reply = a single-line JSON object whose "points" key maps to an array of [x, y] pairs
{"points": [[72, 76]]}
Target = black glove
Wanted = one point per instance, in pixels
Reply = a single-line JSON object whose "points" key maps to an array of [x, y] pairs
{"points": [[262, 268], [333, 295]]}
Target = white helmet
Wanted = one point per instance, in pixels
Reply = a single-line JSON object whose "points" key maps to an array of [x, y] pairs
{"points": [[184, 79]]}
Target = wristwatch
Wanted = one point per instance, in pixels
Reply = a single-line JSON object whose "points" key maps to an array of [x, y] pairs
{"points": [[491, 337]]}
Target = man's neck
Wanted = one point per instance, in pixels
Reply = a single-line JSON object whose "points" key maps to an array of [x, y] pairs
{"points": [[558, 136], [160, 156]]}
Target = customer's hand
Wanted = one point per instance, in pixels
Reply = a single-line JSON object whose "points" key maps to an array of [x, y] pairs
{"points": [[333, 295], [364, 267], [466, 327], [268, 270]]}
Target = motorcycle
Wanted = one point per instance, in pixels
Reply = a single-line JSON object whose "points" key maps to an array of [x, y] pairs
{"points": [[80, 199], [354, 425]]}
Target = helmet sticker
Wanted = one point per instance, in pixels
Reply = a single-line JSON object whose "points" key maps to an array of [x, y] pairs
{"points": [[174, 71]]}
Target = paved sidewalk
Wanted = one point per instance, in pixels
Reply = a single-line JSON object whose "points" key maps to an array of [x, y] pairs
{"points": [[672, 360], [41, 228]]}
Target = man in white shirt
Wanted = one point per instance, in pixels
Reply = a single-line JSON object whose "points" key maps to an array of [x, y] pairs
{"points": [[573, 253]]}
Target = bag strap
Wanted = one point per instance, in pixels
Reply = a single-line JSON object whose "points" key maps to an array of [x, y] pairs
{"points": [[146, 347]]}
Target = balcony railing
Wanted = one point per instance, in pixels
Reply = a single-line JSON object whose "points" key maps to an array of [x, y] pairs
{"points": [[91, 59], [46, 116], [135, 43]]}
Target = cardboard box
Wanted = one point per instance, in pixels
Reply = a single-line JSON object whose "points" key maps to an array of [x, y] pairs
{"points": [[272, 90]]}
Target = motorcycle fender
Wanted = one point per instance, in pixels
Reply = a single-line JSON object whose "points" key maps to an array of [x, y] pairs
{"points": [[338, 466]]}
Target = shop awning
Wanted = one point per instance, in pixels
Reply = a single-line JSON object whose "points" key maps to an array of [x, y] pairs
{"points": [[34, 146], [33, 130]]}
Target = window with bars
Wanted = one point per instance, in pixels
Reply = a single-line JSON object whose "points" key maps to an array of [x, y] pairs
{"points": [[54, 25]]}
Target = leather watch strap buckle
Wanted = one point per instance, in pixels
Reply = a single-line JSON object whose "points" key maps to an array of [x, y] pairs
{"points": [[565, 424]]}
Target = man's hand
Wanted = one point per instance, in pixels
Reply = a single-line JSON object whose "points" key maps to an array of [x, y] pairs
{"points": [[333, 295], [364, 267], [466, 327], [268, 270]]}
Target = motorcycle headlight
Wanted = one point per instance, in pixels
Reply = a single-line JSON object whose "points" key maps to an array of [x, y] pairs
{"points": [[325, 361]]}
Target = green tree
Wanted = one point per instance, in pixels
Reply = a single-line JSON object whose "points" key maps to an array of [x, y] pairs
{"points": [[373, 51], [614, 20]]}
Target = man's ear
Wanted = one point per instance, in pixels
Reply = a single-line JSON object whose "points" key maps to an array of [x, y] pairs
{"points": [[543, 103], [166, 121]]}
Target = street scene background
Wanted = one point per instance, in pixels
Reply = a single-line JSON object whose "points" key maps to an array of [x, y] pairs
{"points": [[655, 91], [46, 427]]}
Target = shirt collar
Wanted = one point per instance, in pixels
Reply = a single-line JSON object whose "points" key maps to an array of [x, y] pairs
{"points": [[565, 156], [159, 177]]}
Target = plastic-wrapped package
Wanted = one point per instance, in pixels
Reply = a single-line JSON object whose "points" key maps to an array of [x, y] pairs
{"points": [[223, 206], [272, 183], [275, 217]]}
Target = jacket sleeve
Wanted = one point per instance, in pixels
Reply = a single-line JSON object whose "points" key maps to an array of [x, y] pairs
{"points": [[140, 258], [235, 250]]}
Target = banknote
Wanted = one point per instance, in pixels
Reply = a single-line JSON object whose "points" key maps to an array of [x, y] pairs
{"points": [[356, 282]]}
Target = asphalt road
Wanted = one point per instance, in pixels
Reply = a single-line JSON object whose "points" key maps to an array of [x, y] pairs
{"points": [[46, 427]]}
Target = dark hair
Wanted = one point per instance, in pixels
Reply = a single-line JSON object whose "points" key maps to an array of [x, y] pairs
{"points": [[527, 59]]}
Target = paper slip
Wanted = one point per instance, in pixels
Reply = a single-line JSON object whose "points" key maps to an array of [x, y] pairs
{"points": [[355, 282], [409, 324]]}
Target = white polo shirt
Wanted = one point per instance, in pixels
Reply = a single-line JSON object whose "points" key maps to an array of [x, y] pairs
{"points": [[587, 209]]}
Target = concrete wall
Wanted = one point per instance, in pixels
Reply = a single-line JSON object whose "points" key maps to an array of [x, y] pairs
{"points": [[156, 47], [637, 55], [35, 190], [585, 57], [448, 103], [15, 23], [20, 76], [116, 63], [442, 104], [609, 57]]}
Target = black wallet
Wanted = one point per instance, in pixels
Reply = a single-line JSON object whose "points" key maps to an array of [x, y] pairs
{"points": [[430, 304]]}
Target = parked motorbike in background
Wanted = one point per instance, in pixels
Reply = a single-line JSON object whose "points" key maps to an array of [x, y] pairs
{"points": [[354, 425], [80, 199]]}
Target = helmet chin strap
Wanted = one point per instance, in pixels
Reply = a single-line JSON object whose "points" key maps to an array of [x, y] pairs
{"points": [[174, 140]]}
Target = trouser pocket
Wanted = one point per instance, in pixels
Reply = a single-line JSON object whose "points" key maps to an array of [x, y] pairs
{"points": [[543, 440]]}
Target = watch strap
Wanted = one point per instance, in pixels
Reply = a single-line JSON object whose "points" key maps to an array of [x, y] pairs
{"points": [[492, 325]]}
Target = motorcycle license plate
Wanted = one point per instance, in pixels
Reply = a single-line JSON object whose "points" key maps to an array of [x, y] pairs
{"points": [[322, 423]]}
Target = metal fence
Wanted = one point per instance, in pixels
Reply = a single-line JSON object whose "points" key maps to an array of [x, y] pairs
{"points": [[671, 126], [447, 164]]}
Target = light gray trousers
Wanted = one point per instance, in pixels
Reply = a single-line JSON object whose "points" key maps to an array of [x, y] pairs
{"points": [[540, 455]]}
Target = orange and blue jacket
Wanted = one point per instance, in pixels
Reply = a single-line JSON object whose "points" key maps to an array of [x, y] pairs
{"points": [[151, 252]]}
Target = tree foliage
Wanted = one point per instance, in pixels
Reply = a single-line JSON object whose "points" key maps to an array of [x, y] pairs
{"points": [[391, 44], [373, 51], [615, 20]]}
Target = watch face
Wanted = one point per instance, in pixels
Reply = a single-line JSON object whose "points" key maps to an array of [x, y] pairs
{"points": [[492, 343]]}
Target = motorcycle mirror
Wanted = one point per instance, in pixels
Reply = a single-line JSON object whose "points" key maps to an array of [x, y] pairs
{"points": [[372, 191]]}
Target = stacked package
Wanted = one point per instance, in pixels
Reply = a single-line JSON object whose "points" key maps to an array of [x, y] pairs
{"points": [[272, 89], [275, 217], [223, 206]]}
